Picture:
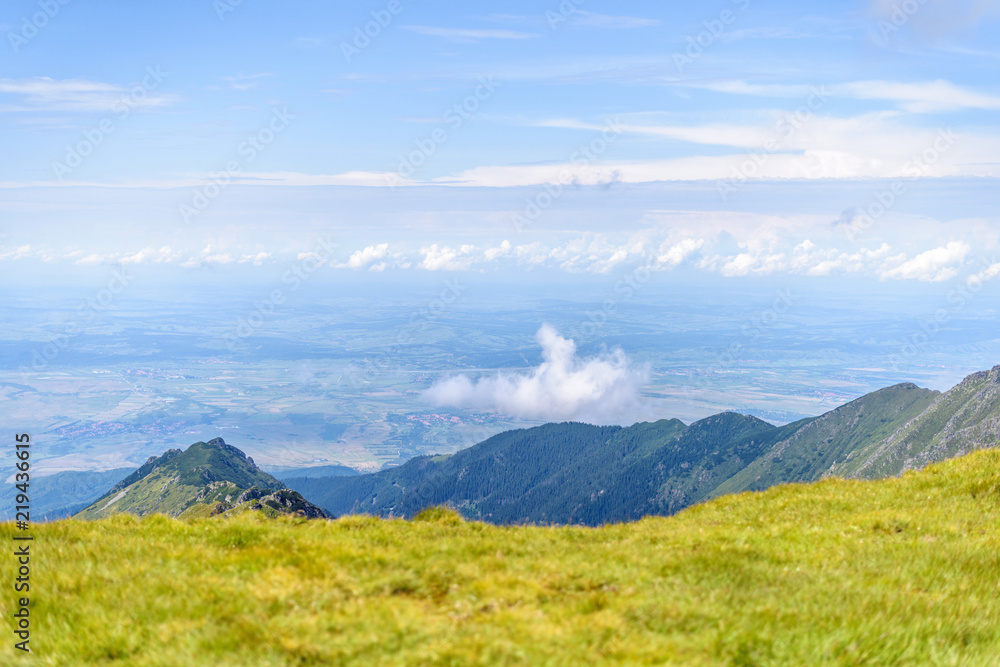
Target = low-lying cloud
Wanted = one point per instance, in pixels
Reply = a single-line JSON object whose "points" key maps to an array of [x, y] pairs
{"points": [[603, 389]]}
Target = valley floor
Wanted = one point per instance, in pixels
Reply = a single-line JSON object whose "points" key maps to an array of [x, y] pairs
{"points": [[902, 571]]}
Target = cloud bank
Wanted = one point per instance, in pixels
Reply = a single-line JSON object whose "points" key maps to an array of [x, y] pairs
{"points": [[604, 389]]}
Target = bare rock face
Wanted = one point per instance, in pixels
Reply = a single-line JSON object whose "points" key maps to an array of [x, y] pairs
{"points": [[250, 494], [291, 502]]}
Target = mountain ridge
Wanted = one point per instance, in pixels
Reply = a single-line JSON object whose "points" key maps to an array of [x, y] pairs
{"points": [[207, 479], [611, 474]]}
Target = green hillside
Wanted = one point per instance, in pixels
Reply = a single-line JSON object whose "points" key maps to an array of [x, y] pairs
{"points": [[206, 479], [834, 443], [490, 480], [559, 473], [901, 571], [963, 419]]}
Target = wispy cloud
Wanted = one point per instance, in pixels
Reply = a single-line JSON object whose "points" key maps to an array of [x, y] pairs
{"points": [[245, 81], [582, 17], [45, 94], [469, 34], [918, 97], [928, 96], [742, 136]]}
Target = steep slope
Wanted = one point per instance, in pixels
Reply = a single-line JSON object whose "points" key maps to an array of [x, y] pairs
{"points": [[963, 419], [813, 448], [680, 472], [487, 477], [207, 478]]}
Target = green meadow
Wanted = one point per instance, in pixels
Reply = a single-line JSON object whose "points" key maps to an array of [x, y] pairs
{"points": [[903, 571]]}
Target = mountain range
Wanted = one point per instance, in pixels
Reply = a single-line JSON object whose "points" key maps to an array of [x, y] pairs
{"points": [[572, 473]]}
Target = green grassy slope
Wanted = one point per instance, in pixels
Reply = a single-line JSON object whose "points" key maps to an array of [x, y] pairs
{"points": [[836, 441], [963, 419], [901, 571]]}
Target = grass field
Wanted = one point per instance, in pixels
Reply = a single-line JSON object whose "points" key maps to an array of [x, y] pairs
{"points": [[896, 572]]}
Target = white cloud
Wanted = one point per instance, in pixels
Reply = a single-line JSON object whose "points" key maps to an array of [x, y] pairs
{"points": [[17, 253], [989, 273], [245, 82], [363, 258], [445, 258], [91, 260], [592, 253], [298, 179], [740, 265], [155, 255], [502, 250], [934, 265], [916, 97], [469, 35], [676, 254], [604, 389], [743, 136], [531, 254], [257, 259], [45, 94], [208, 257], [605, 259], [923, 97], [763, 257], [590, 19], [826, 262], [873, 145]]}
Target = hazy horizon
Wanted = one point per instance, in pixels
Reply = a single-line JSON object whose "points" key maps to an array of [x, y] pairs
{"points": [[359, 234]]}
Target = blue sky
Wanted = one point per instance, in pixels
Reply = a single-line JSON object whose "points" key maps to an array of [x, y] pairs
{"points": [[732, 139]]}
